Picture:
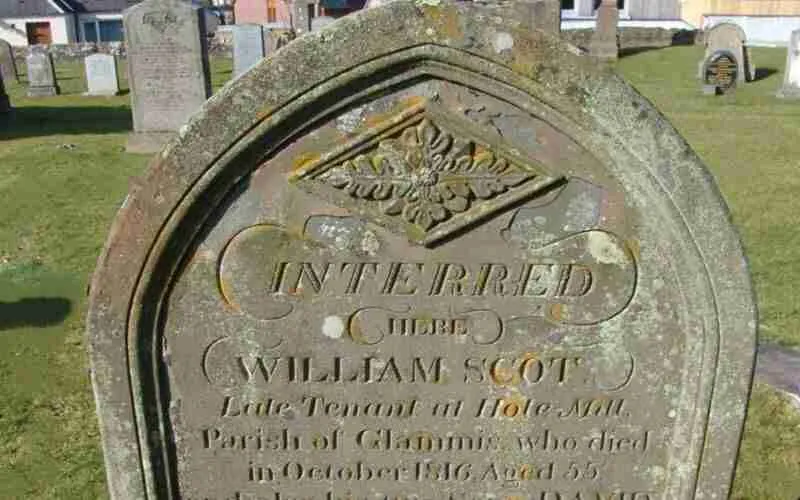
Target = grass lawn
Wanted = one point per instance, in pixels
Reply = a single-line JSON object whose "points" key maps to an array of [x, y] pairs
{"points": [[64, 172]]}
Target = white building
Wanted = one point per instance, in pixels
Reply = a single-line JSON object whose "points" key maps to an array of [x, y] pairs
{"points": [[32, 22]]}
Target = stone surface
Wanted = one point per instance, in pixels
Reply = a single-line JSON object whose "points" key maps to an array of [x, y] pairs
{"points": [[730, 37], [41, 74], [320, 22], [5, 104], [8, 65], [791, 75], [167, 66], [604, 43], [720, 72], [248, 47], [444, 257], [102, 77]]}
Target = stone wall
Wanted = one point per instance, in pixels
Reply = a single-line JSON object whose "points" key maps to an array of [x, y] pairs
{"points": [[636, 38], [222, 44]]}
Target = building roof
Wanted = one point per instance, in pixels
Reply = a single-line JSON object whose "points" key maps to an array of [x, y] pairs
{"points": [[39, 8]]}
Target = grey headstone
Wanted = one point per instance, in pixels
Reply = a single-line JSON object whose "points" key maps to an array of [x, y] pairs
{"points": [[320, 22], [791, 75], [301, 21], [8, 65], [417, 264], [604, 43], [41, 74], [102, 78], [167, 69], [248, 47], [5, 104], [732, 38]]}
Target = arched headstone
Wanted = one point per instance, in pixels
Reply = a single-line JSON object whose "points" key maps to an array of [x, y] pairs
{"points": [[730, 37], [443, 257]]}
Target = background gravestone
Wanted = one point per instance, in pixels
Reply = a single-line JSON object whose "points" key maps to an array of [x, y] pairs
{"points": [[5, 104], [791, 75], [8, 65], [167, 69], [456, 261], [41, 74], [102, 78], [730, 37], [248, 47], [275, 38], [604, 44], [320, 22]]}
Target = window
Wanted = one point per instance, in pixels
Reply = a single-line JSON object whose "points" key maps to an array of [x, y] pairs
{"points": [[110, 31], [38, 33], [272, 11], [567, 4], [90, 32], [103, 31]]}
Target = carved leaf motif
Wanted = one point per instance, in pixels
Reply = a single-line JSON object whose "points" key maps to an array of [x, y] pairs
{"points": [[426, 175]]}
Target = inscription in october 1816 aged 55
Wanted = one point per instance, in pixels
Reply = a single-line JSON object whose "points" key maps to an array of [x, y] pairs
{"points": [[436, 272]]}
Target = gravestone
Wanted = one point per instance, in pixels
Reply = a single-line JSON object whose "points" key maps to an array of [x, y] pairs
{"points": [[720, 73], [275, 38], [41, 74], [436, 266], [248, 47], [101, 75], [791, 75], [301, 17], [320, 22], [167, 69], [5, 104], [8, 65], [604, 43], [729, 37]]}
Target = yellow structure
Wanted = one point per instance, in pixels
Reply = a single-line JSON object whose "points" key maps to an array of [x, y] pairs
{"points": [[692, 11]]}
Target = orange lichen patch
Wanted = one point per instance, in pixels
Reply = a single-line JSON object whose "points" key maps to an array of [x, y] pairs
{"points": [[634, 247], [556, 312], [226, 292], [407, 103], [512, 406], [446, 21], [263, 113], [304, 160]]}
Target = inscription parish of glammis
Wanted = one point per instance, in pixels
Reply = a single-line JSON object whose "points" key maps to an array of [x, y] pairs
{"points": [[437, 267]]}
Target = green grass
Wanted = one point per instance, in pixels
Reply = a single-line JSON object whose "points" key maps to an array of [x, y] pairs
{"points": [[64, 172]]}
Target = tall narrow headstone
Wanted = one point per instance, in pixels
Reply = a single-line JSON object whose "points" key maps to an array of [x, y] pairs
{"points": [[5, 104], [8, 65], [168, 69], [41, 74], [248, 47], [301, 17], [101, 75], [731, 38], [275, 38], [791, 75], [416, 265], [604, 43]]}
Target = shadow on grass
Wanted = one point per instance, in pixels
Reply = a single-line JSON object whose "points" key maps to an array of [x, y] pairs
{"points": [[37, 121], [37, 311], [762, 73]]}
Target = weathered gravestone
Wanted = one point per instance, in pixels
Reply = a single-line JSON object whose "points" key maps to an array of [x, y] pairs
{"points": [[604, 44], [248, 47], [101, 75], [301, 16], [5, 104], [729, 37], [720, 73], [8, 65], [167, 69], [275, 38], [791, 75], [455, 261], [41, 74]]}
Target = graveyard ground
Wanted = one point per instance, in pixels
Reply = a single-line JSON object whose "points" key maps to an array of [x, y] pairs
{"points": [[63, 173]]}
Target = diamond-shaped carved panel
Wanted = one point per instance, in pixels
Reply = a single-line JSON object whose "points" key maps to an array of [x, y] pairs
{"points": [[424, 175]]}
